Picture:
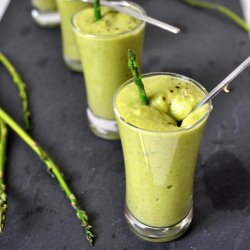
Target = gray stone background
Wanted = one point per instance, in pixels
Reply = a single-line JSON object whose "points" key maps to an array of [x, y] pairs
{"points": [[39, 216]]}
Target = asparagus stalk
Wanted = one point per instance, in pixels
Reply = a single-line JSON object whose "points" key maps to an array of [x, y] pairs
{"points": [[3, 133], [133, 66], [3, 196], [222, 9], [97, 10], [20, 86], [54, 171]]}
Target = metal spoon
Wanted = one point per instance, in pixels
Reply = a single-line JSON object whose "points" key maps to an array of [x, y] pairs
{"points": [[222, 84], [123, 6], [3, 7]]}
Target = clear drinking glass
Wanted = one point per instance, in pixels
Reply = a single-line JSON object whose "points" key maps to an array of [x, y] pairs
{"points": [[71, 56], [160, 170], [104, 62], [45, 13]]}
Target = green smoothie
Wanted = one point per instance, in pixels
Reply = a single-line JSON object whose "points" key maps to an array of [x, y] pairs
{"points": [[67, 8], [103, 47], [44, 5], [160, 148]]}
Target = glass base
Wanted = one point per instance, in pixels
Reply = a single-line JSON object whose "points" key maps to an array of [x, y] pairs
{"points": [[73, 64], [158, 234], [46, 18], [105, 129]]}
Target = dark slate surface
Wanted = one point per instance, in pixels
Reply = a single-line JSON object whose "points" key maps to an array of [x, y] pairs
{"points": [[39, 216]]}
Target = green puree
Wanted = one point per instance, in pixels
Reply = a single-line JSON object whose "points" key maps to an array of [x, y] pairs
{"points": [[67, 9], [160, 165], [171, 99], [112, 22], [103, 46], [44, 5]]}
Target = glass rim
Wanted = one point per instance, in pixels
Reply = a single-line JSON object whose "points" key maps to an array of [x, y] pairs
{"points": [[136, 6], [204, 117]]}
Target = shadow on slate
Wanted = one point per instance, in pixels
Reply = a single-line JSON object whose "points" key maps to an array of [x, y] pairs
{"points": [[227, 182]]}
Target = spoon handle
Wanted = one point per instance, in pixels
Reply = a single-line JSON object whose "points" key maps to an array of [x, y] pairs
{"points": [[222, 84], [122, 6], [3, 7]]}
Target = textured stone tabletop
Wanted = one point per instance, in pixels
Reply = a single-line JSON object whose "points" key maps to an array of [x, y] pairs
{"points": [[39, 217]]}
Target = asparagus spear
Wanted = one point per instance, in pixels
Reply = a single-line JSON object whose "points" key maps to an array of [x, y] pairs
{"points": [[222, 9], [3, 133], [97, 10], [133, 66], [21, 87], [55, 172], [3, 196]]}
